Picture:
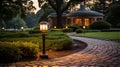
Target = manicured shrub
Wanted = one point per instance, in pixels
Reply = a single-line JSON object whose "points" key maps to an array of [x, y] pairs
{"points": [[61, 44], [13, 34], [74, 28], [29, 50], [34, 31], [79, 31], [55, 30], [15, 51], [58, 41], [66, 30], [100, 25], [9, 52]]}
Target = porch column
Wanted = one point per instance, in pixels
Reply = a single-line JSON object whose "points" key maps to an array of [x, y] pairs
{"points": [[72, 20], [83, 21], [95, 19]]}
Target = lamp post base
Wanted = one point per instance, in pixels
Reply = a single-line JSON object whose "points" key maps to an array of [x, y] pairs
{"points": [[44, 56]]}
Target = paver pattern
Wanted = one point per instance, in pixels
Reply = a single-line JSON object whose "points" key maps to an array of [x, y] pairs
{"points": [[98, 53]]}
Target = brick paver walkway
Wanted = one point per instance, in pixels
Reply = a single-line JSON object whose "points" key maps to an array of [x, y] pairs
{"points": [[98, 53]]}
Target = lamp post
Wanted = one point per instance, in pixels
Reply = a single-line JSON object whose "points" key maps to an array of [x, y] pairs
{"points": [[22, 28], [84, 28], [43, 29], [3, 28]]}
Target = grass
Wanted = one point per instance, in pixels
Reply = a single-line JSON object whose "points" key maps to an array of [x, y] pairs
{"points": [[114, 36]]}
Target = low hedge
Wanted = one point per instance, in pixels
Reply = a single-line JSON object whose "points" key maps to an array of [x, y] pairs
{"points": [[100, 25], [74, 28], [9, 52], [29, 50], [14, 34], [79, 31], [15, 51], [67, 30], [59, 44], [34, 31]]}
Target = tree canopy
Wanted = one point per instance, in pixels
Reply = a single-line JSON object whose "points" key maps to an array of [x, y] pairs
{"points": [[113, 15], [10, 9]]}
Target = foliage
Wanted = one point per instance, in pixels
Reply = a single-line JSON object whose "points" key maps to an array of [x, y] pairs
{"points": [[113, 15], [31, 20], [11, 8], [74, 28], [53, 39], [14, 35], [79, 31], [29, 50], [35, 30], [100, 25], [46, 8], [67, 30], [15, 51], [58, 41], [61, 44], [16, 23], [55, 30], [9, 52]]}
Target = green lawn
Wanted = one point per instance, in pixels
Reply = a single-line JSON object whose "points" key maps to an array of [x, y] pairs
{"points": [[115, 36]]}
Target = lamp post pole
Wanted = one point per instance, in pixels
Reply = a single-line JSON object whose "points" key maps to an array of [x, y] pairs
{"points": [[84, 29], [43, 29], [43, 40]]}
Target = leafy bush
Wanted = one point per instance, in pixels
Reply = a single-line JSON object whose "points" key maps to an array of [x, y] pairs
{"points": [[100, 25], [9, 52], [58, 40], [79, 31], [66, 30], [61, 44], [34, 31], [74, 28], [29, 50], [113, 14], [15, 51]]}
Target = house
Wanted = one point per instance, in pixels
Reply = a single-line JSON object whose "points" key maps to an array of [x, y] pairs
{"points": [[81, 17]]}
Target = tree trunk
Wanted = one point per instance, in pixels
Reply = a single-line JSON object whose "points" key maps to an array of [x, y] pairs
{"points": [[59, 19]]}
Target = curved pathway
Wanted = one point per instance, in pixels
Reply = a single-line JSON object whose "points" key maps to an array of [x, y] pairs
{"points": [[98, 53]]}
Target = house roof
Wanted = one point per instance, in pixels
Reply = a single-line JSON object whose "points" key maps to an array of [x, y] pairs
{"points": [[82, 12]]}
